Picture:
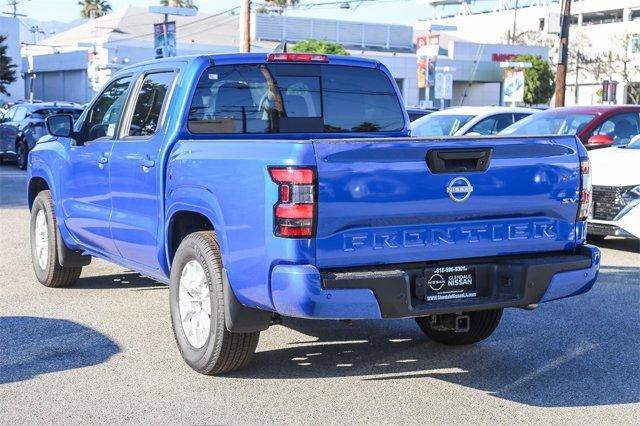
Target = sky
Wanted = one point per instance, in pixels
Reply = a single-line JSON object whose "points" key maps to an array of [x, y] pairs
{"points": [[385, 11]]}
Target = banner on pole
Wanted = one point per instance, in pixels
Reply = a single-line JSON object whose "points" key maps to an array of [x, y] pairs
{"points": [[164, 42]]}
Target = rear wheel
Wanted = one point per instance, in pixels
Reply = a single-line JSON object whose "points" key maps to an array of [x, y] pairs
{"points": [[480, 326], [44, 255], [197, 309], [22, 154]]}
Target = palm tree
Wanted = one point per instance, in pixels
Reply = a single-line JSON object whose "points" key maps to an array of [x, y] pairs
{"points": [[277, 6], [94, 8], [179, 3]]}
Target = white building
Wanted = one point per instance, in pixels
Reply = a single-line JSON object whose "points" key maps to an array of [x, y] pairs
{"points": [[10, 27], [74, 64], [600, 30]]}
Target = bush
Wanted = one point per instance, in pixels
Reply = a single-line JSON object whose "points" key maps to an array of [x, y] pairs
{"points": [[320, 46]]}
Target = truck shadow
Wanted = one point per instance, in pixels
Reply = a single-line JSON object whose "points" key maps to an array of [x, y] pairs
{"points": [[580, 351], [128, 279], [622, 244], [30, 346], [12, 191]]}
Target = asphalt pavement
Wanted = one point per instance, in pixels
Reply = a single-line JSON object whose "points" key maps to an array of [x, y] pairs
{"points": [[103, 351]]}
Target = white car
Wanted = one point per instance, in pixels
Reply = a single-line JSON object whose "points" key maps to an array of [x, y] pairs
{"points": [[471, 121], [615, 210]]}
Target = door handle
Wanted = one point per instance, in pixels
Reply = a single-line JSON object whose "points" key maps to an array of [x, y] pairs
{"points": [[103, 159], [147, 163]]}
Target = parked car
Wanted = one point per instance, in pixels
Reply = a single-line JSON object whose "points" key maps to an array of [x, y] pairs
{"points": [[475, 121], [283, 184], [416, 112], [595, 126], [24, 123], [616, 192]]}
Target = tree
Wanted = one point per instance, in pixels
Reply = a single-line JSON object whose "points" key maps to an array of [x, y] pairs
{"points": [[276, 6], [189, 4], [94, 8], [538, 80], [320, 46], [7, 68], [626, 64]]}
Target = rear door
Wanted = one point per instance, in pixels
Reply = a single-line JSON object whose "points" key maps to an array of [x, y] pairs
{"points": [[135, 171], [396, 201]]}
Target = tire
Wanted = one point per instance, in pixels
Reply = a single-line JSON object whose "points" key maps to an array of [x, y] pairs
{"points": [[45, 238], [22, 154], [213, 350], [481, 325]]}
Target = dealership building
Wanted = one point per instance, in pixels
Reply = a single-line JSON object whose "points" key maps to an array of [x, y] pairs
{"points": [[74, 64], [601, 31], [10, 28]]}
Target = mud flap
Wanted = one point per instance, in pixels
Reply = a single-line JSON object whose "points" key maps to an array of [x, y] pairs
{"points": [[69, 258], [239, 318]]}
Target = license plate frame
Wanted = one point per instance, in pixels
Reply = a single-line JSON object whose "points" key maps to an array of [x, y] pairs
{"points": [[450, 283]]}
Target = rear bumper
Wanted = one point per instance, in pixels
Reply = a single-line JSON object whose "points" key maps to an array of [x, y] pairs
{"points": [[503, 282]]}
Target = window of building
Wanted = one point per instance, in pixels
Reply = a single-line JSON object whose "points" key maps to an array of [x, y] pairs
{"points": [[602, 17]]}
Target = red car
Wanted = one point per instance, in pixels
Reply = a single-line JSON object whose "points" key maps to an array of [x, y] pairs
{"points": [[595, 126]]}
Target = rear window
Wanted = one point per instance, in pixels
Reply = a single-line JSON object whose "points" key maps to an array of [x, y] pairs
{"points": [[294, 98]]}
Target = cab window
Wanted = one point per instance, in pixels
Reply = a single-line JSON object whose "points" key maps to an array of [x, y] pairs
{"points": [[149, 104], [102, 119]]}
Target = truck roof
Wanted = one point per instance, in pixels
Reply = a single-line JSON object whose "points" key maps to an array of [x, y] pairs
{"points": [[251, 58]]}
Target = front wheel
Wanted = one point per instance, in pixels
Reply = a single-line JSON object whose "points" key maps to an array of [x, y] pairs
{"points": [[44, 240], [481, 325], [22, 153], [197, 309]]}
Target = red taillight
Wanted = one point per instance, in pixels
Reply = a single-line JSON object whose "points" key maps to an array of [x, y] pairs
{"points": [[585, 189], [296, 57], [295, 211]]}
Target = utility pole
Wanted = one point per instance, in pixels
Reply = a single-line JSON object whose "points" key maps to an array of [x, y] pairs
{"points": [[515, 18], [575, 92], [245, 25], [13, 4], [561, 76]]}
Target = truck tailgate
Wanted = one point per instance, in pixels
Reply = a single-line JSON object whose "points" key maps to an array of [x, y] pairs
{"points": [[384, 201]]}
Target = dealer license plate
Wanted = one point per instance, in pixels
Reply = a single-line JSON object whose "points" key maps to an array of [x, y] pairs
{"points": [[450, 282]]}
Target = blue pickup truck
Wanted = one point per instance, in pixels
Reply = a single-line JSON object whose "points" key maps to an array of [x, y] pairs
{"points": [[267, 185]]}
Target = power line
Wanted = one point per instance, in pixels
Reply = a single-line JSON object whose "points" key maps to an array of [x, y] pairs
{"points": [[13, 4], [187, 24]]}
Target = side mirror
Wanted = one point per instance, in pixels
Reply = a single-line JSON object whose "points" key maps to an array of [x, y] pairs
{"points": [[60, 125], [599, 141]]}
